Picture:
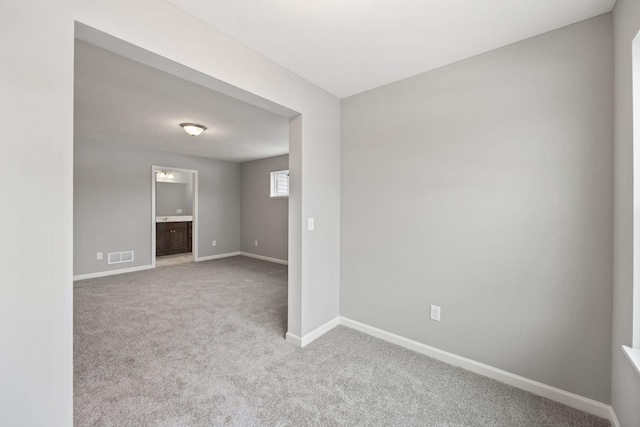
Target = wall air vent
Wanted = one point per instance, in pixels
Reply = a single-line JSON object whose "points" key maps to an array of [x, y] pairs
{"points": [[120, 257]]}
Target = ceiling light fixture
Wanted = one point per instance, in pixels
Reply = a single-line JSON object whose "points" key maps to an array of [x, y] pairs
{"points": [[193, 129]]}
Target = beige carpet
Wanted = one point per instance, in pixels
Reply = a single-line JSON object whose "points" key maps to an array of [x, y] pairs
{"points": [[202, 344]]}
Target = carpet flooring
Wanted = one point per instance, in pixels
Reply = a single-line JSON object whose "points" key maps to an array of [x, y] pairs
{"points": [[202, 344]]}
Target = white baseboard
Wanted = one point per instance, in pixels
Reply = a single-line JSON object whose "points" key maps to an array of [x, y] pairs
{"points": [[613, 419], [567, 398], [313, 335], [319, 331], [294, 339], [210, 257], [265, 258], [144, 267], [111, 272]]}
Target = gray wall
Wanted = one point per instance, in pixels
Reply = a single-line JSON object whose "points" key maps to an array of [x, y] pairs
{"points": [[484, 187], [112, 203], [625, 393], [171, 196], [262, 218]]}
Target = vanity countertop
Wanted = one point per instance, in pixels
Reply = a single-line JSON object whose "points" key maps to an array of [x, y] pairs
{"points": [[178, 218]]}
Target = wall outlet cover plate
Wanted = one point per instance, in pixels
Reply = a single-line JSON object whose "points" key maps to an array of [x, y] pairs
{"points": [[435, 313]]}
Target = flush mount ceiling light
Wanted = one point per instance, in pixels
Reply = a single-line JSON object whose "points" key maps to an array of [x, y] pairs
{"points": [[165, 174], [193, 129]]}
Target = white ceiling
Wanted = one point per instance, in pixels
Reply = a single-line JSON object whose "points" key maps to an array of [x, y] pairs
{"points": [[118, 100], [350, 46]]}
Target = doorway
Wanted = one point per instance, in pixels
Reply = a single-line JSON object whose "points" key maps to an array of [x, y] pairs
{"points": [[174, 215], [166, 124]]}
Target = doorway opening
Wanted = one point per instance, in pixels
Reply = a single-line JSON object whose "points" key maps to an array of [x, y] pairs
{"points": [[174, 222], [124, 144]]}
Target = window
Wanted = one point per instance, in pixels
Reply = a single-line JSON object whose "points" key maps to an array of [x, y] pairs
{"points": [[280, 184]]}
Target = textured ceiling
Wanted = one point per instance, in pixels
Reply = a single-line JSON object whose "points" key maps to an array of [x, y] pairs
{"points": [[121, 101], [349, 46]]}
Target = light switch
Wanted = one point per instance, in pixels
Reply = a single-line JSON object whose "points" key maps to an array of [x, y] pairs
{"points": [[179, 210], [310, 224], [435, 313]]}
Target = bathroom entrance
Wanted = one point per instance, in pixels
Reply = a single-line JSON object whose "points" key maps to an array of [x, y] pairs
{"points": [[174, 208]]}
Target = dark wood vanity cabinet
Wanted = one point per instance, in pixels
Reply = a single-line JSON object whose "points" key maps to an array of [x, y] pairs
{"points": [[173, 238]]}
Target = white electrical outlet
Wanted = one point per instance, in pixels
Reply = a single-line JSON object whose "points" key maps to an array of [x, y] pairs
{"points": [[256, 243], [179, 210], [99, 256], [435, 313], [310, 224], [213, 243]]}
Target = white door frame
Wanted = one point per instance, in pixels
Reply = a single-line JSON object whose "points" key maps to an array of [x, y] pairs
{"points": [[194, 242]]}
